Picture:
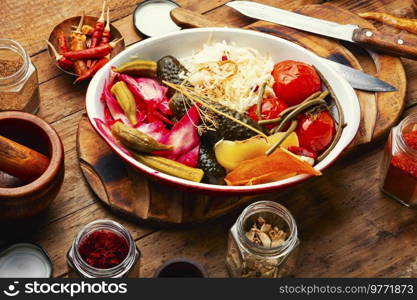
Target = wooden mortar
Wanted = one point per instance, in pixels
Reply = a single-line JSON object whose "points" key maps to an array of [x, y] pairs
{"points": [[20, 200]]}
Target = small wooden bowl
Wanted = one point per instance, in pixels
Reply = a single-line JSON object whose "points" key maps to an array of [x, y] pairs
{"points": [[180, 267], [68, 25], [18, 200]]}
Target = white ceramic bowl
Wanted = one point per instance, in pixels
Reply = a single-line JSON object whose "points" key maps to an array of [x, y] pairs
{"points": [[182, 43]]}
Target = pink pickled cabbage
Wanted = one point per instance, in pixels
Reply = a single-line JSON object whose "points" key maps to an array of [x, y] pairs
{"points": [[149, 96], [145, 88], [152, 107], [155, 129], [183, 136], [191, 158]]}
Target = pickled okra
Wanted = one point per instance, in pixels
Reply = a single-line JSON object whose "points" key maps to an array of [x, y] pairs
{"points": [[126, 100], [136, 140], [145, 68], [170, 167]]}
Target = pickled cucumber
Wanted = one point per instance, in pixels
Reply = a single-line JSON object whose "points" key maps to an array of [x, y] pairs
{"points": [[169, 69], [225, 128], [214, 173]]}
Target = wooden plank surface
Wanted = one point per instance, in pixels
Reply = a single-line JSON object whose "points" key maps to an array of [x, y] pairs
{"points": [[347, 227]]}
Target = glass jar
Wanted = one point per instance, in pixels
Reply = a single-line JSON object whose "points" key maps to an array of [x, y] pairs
{"points": [[78, 267], [19, 88], [247, 259], [399, 164]]}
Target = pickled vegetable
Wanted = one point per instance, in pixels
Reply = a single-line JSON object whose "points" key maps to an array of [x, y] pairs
{"points": [[136, 140], [170, 69], [279, 165], [170, 167], [145, 68], [224, 128], [126, 100], [230, 154], [214, 173]]}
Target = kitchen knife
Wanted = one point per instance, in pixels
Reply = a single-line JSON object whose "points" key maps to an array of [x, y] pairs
{"points": [[395, 44], [359, 80]]}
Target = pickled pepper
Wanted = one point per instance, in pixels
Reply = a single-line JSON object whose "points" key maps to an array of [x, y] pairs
{"points": [[137, 140], [263, 169], [126, 100], [146, 68]]}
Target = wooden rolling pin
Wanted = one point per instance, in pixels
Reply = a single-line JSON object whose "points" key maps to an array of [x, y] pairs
{"points": [[21, 161]]}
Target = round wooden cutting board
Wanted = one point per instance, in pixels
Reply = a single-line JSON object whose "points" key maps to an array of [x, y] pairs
{"points": [[131, 193]]}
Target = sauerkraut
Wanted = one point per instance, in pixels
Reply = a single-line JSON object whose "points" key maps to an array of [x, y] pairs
{"points": [[229, 74]]}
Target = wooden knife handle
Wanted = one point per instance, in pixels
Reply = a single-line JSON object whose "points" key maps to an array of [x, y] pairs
{"points": [[396, 44], [188, 19]]}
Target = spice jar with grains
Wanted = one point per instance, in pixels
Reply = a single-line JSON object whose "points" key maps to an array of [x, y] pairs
{"points": [[19, 89], [399, 165], [103, 249], [263, 242]]}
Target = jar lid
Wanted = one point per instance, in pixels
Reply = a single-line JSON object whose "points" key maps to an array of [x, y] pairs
{"points": [[25, 260], [152, 18]]}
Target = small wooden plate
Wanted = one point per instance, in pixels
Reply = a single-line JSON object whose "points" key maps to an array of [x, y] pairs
{"points": [[68, 25]]}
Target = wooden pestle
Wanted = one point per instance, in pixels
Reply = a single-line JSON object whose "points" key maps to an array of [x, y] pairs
{"points": [[21, 161]]}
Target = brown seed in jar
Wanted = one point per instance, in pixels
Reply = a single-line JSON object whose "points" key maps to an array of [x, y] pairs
{"points": [[9, 67]]}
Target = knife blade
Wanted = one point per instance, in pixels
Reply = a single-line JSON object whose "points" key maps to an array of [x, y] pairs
{"points": [[397, 44], [360, 80]]}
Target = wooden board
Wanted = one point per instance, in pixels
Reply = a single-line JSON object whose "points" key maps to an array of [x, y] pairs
{"points": [[129, 192]]}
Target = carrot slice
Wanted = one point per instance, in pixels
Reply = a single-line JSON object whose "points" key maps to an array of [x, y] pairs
{"points": [[280, 165]]}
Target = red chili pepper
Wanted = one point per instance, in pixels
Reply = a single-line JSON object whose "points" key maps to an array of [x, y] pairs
{"points": [[63, 62], [106, 36], [62, 42], [98, 31], [93, 70], [97, 52]]}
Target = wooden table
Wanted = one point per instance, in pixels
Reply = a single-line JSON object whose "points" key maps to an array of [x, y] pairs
{"points": [[347, 227]]}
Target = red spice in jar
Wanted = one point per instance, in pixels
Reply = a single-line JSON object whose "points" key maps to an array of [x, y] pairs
{"points": [[401, 176], [103, 249]]}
